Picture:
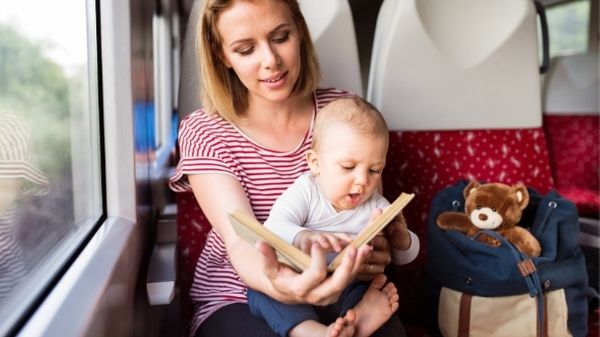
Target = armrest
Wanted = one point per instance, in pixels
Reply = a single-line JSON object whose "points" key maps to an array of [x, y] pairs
{"points": [[160, 281]]}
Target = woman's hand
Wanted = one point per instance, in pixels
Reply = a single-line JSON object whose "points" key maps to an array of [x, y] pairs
{"points": [[377, 258], [314, 285], [394, 235]]}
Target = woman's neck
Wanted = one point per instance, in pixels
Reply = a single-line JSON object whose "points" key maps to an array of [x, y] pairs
{"points": [[279, 126]]}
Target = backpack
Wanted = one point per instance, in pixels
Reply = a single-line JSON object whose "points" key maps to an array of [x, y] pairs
{"points": [[479, 290]]}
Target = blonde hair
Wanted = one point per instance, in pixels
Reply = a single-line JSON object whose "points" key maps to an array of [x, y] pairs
{"points": [[353, 111], [222, 92]]}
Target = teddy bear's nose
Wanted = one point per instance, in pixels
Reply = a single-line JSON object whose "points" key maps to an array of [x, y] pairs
{"points": [[482, 217]]}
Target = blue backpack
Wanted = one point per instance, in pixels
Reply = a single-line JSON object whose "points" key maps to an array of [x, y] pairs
{"points": [[466, 275]]}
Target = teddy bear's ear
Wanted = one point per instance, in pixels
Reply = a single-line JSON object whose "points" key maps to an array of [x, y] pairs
{"points": [[522, 194], [473, 184]]}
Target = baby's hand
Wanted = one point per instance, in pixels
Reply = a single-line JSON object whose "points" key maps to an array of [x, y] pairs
{"points": [[397, 233], [329, 241]]}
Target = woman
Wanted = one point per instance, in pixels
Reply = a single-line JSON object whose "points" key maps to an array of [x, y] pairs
{"points": [[259, 75]]}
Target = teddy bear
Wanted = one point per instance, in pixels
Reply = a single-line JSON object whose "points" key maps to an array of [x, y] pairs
{"points": [[493, 206]]}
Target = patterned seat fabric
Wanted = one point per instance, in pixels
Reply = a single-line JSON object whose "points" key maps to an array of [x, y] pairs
{"points": [[425, 162], [192, 229], [575, 158]]}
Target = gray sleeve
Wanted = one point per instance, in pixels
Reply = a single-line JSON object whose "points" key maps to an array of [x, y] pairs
{"points": [[400, 257]]}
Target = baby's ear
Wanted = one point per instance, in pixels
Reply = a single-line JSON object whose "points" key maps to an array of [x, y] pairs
{"points": [[312, 159]]}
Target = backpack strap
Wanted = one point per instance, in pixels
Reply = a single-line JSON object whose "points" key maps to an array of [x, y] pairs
{"points": [[529, 271], [464, 315]]}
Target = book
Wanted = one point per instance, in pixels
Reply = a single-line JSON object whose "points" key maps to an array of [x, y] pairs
{"points": [[252, 231]]}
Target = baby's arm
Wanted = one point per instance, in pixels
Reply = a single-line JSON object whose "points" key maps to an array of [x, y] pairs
{"points": [[398, 233], [329, 241], [405, 244], [290, 211]]}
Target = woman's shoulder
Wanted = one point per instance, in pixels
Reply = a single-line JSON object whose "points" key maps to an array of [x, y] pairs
{"points": [[201, 116], [202, 121]]}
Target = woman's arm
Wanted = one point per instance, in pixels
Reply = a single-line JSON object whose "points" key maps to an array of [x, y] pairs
{"points": [[219, 194]]}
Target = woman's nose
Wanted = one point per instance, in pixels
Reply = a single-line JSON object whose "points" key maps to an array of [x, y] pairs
{"points": [[270, 57]]}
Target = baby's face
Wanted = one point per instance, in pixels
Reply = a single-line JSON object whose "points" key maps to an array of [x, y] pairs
{"points": [[349, 165]]}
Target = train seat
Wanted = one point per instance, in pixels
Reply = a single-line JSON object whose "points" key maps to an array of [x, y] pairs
{"points": [[572, 125], [332, 29], [455, 109]]}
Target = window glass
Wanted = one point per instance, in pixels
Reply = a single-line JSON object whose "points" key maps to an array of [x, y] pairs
{"points": [[568, 27], [50, 195]]}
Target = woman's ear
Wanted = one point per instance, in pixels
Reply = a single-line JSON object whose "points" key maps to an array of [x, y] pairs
{"points": [[312, 158], [224, 60]]}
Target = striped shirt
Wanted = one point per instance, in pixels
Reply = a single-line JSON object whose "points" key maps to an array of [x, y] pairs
{"points": [[210, 144]]}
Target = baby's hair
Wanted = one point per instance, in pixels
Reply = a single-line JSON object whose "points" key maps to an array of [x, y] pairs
{"points": [[353, 111]]}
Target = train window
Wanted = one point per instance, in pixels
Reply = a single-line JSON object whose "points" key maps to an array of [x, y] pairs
{"points": [[50, 188], [568, 27], [155, 114]]}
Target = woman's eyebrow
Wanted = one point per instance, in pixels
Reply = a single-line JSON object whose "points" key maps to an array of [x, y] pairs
{"points": [[280, 27], [273, 31]]}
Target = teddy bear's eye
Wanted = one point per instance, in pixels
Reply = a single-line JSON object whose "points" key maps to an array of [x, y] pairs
{"points": [[478, 206], [493, 209]]}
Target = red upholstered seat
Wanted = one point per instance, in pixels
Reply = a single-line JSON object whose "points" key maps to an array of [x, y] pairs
{"points": [[573, 142], [192, 229], [424, 162]]}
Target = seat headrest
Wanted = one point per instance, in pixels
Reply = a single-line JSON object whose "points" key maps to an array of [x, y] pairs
{"points": [[456, 64], [571, 86]]}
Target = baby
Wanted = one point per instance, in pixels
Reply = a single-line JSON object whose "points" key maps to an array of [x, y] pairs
{"points": [[328, 206]]}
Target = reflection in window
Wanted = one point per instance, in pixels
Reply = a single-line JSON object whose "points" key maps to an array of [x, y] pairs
{"points": [[568, 27], [50, 193]]}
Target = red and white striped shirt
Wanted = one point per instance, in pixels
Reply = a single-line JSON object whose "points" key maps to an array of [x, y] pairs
{"points": [[210, 144]]}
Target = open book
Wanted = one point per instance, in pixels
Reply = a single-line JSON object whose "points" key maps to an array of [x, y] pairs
{"points": [[251, 230]]}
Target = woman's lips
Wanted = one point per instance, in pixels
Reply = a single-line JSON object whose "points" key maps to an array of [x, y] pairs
{"points": [[274, 82]]}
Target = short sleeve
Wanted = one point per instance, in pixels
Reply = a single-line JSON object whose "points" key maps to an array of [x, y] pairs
{"points": [[202, 149]]}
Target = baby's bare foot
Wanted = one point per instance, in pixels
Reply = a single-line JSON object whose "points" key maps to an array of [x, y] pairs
{"points": [[343, 326], [377, 305]]}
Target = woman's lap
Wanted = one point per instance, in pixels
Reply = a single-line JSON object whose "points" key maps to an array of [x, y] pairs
{"points": [[236, 320]]}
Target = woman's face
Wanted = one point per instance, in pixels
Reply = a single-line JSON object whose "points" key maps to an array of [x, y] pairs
{"points": [[261, 43]]}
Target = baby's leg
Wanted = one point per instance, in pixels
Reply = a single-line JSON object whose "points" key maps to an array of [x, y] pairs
{"points": [[377, 305], [342, 327]]}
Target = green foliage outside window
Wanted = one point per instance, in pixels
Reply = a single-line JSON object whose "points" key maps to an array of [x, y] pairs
{"points": [[568, 27], [36, 90]]}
